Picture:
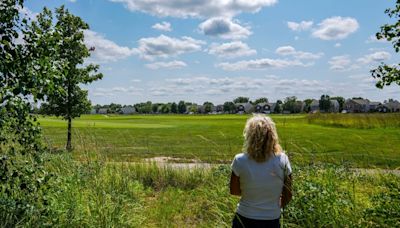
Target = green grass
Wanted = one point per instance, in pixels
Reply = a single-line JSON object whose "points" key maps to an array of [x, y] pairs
{"points": [[217, 138], [94, 193]]}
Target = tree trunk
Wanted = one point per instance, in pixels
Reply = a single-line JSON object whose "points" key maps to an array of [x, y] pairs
{"points": [[69, 146]]}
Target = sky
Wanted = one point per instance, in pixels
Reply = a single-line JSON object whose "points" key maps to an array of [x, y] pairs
{"points": [[217, 50]]}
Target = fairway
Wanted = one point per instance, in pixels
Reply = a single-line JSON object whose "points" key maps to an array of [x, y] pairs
{"points": [[217, 138]]}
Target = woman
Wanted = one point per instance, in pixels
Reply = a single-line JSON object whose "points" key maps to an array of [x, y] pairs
{"points": [[261, 176]]}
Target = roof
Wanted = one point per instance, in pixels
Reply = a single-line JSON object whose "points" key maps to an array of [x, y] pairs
{"points": [[361, 101]]}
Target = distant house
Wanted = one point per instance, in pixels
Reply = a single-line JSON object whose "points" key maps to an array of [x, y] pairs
{"points": [[393, 106], [373, 106], [265, 108], [128, 110], [244, 108], [93, 111], [314, 106], [357, 105], [219, 108], [335, 106], [200, 109], [102, 111]]}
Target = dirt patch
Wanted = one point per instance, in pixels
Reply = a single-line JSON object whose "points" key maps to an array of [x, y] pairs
{"points": [[179, 163]]}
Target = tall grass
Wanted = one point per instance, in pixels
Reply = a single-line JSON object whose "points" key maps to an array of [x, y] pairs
{"points": [[363, 121]]}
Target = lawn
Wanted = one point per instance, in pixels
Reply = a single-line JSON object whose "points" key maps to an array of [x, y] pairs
{"points": [[217, 138]]}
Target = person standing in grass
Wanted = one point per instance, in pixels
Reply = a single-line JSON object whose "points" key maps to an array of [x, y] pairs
{"points": [[261, 175]]}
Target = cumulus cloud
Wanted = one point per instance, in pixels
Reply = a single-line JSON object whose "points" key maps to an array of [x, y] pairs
{"points": [[224, 28], [165, 46], [378, 56], [117, 90], [105, 50], [260, 64], [301, 26], [291, 51], [163, 26], [340, 63], [335, 28], [338, 45], [231, 50], [196, 9], [168, 65]]}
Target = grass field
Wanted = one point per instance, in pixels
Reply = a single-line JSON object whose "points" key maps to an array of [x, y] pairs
{"points": [[217, 138]]}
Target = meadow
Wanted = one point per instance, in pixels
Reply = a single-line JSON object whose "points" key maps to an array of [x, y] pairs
{"points": [[217, 138], [105, 183]]}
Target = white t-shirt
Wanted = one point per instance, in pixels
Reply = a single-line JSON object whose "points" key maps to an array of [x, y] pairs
{"points": [[261, 185]]}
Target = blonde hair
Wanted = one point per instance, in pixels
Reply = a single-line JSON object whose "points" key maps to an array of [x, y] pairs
{"points": [[260, 138]]}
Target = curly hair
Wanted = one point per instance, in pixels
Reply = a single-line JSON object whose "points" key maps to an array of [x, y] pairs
{"points": [[260, 138]]}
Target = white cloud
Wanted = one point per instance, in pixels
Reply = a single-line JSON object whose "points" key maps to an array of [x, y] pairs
{"points": [[335, 28], [340, 63], [224, 28], [291, 51], [105, 50], [260, 64], [165, 46], [231, 50], [196, 9], [163, 26], [378, 56], [373, 39], [168, 65], [301, 26], [117, 90], [338, 45]]}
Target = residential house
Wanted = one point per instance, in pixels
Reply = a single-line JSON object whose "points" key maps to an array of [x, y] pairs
{"points": [[219, 108], [357, 105], [335, 106], [244, 108], [265, 108], [93, 111], [393, 106], [128, 110], [102, 111], [373, 106], [314, 106]]}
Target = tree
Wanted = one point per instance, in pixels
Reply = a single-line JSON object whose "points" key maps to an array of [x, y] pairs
{"points": [[208, 106], [278, 107], [181, 107], [307, 105], [289, 104], [229, 107], [69, 100], [165, 108], [325, 103], [26, 74], [261, 100], [154, 108], [241, 100], [174, 108], [341, 102], [388, 74]]}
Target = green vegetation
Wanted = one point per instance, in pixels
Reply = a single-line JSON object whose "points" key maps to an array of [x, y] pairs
{"points": [[361, 121], [217, 138]]}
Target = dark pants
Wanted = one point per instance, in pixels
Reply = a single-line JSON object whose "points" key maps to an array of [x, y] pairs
{"points": [[243, 222]]}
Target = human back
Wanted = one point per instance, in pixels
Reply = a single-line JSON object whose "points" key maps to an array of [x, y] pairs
{"points": [[261, 175]]}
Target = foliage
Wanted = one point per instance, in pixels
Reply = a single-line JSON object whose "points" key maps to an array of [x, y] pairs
{"points": [[261, 100], [325, 103], [208, 106], [181, 107], [24, 75], [278, 107], [144, 108], [241, 100], [229, 107], [68, 100], [174, 108], [388, 74], [292, 105], [154, 108]]}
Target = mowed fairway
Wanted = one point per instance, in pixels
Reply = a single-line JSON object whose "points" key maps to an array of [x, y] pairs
{"points": [[217, 138]]}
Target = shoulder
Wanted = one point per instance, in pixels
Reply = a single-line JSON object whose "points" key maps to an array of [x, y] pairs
{"points": [[281, 158], [241, 157]]}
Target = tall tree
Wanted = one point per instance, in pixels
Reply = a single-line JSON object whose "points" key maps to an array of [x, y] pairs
{"points": [[69, 100], [278, 107], [388, 74], [208, 106], [154, 108], [290, 104], [229, 107], [181, 107], [325, 103], [261, 100], [174, 107], [241, 100]]}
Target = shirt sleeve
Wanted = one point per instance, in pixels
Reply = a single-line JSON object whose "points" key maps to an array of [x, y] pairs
{"points": [[235, 167], [285, 164]]}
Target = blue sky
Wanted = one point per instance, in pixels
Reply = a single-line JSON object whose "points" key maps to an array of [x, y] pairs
{"points": [[217, 50]]}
